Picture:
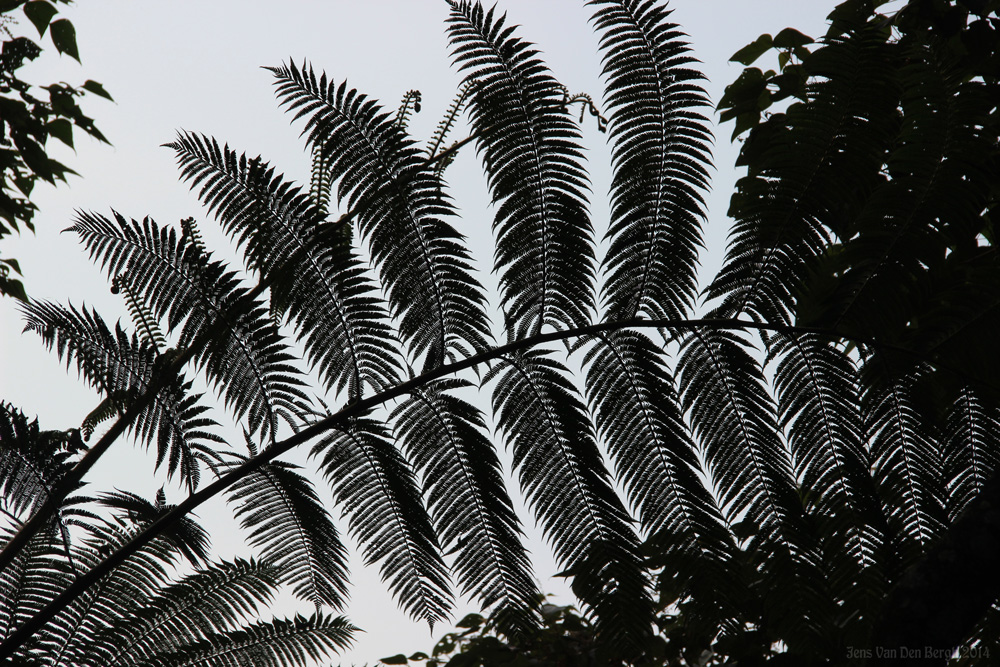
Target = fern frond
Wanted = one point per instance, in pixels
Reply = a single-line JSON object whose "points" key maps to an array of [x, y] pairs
{"points": [[142, 318], [289, 524], [971, 449], [185, 536], [317, 279], [278, 643], [819, 409], [376, 488], [424, 267], [564, 478], [106, 410], [192, 235], [321, 186], [446, 439], [409, 105], [447, 123], [32, 461], [907, 461], [122, 367], [661, 158], [724, 391], [242, 352], [528, 142], [35, 577], [636, 413], [195, 608], [72, 633]]}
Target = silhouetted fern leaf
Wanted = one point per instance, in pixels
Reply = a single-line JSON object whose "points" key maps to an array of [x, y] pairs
{"points": [[907, 460], [661, 157], [376, 488], [286, 520], [277, 643], [971, 449], [32, 461], [385, 177], [635, 410], [122, 367], [198, 606], [731, 412], [528, 142], [446, 439], [310, 267], [243, 354], [565, 480]]}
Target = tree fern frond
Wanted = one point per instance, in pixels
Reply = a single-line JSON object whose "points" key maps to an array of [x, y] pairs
{"points": [[278, 643], [37, 575], [375, 486], [289, 524], [106, 410], [195, 608], [906, 461], [409, 105], [191, 233], [445, 438], [971, 449], [121, 367], [142, 318], [731, 412], [123, 592], [425, 269], [186, 536], [528, 141], [819, 409], [321, 185], [32, 461], [444, 127], [244, 355], [316, 278], [725, 395], [636, 413], [661, 158], [565, 480]]}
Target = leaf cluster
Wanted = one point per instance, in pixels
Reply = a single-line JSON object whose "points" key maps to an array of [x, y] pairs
{"points": [[29, 117]]}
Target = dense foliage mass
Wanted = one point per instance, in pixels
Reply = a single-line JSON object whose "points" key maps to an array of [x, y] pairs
{"points": [[28, 120], [804, 475]]}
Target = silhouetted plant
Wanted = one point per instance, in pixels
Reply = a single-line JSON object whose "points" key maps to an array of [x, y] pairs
{"points": [[831, 423]]}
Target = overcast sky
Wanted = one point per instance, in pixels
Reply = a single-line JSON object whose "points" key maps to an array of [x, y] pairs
{"points": [[196, 65]]}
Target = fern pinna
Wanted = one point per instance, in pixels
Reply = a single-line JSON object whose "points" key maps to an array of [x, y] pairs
{"points": [[762, 476]]}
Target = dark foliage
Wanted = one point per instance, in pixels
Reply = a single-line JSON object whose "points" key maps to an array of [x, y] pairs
{"points": [[29, 119]]}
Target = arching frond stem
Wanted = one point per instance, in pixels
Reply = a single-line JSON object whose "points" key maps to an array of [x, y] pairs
{"points": [[336, 420]]}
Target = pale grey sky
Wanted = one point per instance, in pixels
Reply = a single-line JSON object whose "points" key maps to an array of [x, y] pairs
{"points": [[195, 65]]}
